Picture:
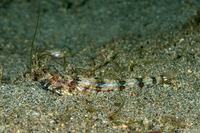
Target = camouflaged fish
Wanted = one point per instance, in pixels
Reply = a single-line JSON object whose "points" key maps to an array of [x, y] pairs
{"points": [[66, 85]]}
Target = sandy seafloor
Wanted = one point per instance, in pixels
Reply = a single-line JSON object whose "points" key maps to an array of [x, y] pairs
{"points": [[149, 38]]}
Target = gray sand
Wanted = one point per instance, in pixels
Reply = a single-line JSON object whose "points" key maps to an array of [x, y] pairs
{"points": [[149, 37]]}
